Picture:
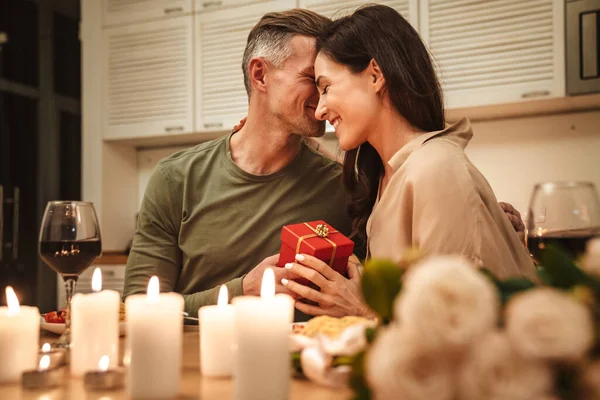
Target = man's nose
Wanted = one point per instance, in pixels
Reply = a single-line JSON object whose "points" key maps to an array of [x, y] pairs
{"points": [[321, 111]]}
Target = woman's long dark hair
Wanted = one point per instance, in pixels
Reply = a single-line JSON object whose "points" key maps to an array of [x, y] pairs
{"points": [[379, 32]]}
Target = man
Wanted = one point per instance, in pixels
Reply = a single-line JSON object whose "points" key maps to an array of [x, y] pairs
{"points": [[212, 214]]}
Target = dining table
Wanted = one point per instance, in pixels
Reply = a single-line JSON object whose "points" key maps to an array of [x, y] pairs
{"points": [[193, 384]]}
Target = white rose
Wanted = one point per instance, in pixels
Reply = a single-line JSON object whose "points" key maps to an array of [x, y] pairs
{"points": [[591, 261], [397, 367], [549, 324], [448, 302], [317, 355], [495, 371], [316, 365]]}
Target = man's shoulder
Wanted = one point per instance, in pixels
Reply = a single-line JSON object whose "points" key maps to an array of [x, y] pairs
{"points": [[202, 150]]}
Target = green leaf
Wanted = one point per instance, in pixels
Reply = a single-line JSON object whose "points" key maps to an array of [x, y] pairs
{"points": [[566, 381], [544, 276], [560, 268], [342, 360], [380, 286], [296, 363], [370, 333], [509, 287], [357, 378], [563, 272]]}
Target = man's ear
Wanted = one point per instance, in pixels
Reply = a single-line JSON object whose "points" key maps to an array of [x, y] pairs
{"points": [[257, 71], [377, 78]]}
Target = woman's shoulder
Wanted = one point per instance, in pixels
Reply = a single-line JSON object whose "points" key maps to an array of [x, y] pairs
{"points": [[435, 156]]}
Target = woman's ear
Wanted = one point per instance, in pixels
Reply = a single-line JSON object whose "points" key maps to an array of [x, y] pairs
{"points": [[378, 80], [257, 70]]}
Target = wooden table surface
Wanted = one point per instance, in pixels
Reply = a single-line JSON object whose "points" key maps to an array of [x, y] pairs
{"points": [[193, 385]]}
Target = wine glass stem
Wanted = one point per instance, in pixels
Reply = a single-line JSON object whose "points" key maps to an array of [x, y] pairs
{"points": [[70, 284]]}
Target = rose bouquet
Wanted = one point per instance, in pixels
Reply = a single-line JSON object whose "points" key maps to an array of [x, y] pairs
{"points": [[452, 331]]}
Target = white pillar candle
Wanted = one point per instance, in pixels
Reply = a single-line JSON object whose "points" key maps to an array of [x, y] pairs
{"points": [[94, 327], [19, 338], [154, 341], [216, 337], [262, 358]]}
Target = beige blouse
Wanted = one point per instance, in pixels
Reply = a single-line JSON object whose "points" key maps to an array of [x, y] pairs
{"points": [[437, 201]]}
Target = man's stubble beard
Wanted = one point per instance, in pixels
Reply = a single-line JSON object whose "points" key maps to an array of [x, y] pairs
{"points": [[306, 127]]}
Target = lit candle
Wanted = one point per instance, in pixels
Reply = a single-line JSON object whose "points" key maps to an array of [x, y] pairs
{"points": [[262, 359], [19, 338], [94, 327], [103, 378], [216, 337], [57, 356], [154, 340], [43, 377]]}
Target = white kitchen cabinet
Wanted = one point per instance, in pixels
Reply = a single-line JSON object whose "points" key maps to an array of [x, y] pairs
{"points": [[149, 79], [337, 8], [212, 5], [221, 98], [496, 51], [119, 12]]}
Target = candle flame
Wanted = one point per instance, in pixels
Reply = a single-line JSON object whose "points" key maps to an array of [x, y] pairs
{"points": [[267, 288], [44, 362], [153, 290], [223, 296], [97, 280], [46, 348], [103, 363], [12, 301]]}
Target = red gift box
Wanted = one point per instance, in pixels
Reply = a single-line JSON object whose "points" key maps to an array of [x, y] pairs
{"points": [[317, 239]]}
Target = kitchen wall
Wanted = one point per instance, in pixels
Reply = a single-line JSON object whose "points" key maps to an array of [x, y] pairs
{"points": [[512, 153]]}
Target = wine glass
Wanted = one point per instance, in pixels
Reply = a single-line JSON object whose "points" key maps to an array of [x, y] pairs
{"points": [[69, 243], [565, 214]]}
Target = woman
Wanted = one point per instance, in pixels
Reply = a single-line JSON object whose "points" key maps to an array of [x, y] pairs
{"points": [[409, 180]]}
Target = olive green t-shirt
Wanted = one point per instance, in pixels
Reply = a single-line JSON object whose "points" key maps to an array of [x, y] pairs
{"points": [[206, 222]]}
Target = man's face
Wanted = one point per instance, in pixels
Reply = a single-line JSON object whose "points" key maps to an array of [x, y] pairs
{"points": [[293, 96]]}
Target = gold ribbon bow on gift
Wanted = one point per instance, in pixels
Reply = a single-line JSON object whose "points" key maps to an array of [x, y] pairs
{"points": [[321, 231]]}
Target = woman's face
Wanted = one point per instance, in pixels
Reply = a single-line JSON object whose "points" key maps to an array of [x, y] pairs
{"points": [[349, 101]]}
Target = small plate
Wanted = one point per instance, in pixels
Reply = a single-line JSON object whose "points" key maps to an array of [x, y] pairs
{"points": [[60, 328]]}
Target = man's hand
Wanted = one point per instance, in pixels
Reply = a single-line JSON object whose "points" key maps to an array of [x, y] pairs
{"points": [[514, 217], [253, 280]]}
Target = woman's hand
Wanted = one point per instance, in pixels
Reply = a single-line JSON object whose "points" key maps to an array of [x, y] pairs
{"points": [[338, 297]]}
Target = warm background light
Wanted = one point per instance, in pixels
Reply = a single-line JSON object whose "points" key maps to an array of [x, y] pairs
{"points": [[46, 348]]}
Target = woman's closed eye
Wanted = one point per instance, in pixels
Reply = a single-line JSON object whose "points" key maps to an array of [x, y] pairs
{"points": [[324, 90]]}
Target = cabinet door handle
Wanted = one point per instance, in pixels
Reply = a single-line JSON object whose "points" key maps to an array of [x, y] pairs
{"points": [[1, 221], [15, 244], [173, 128], [207, 4], [213, 125], [173, 10], [535, 93], [108, 274]]}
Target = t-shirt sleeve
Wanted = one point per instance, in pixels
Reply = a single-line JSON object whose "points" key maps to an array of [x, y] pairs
{"points": [[155, 249]]}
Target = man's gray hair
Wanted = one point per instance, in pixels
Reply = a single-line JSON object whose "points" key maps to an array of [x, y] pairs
{"points": [[271, 36]]}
